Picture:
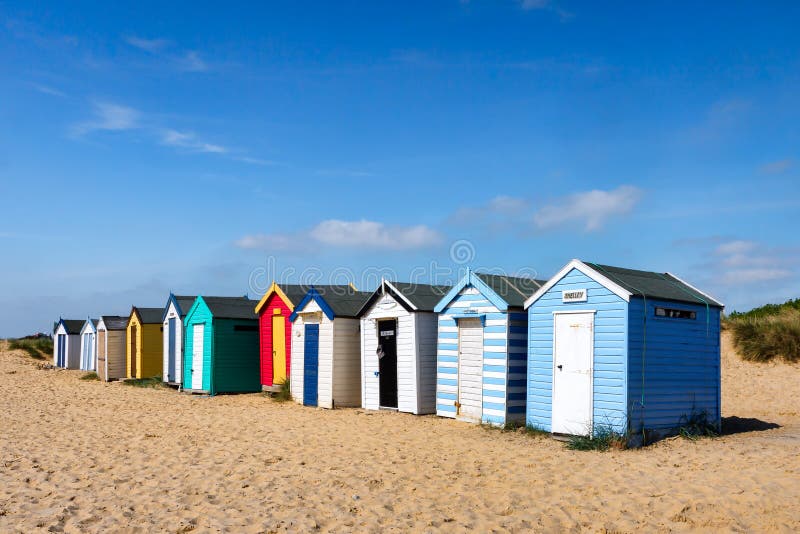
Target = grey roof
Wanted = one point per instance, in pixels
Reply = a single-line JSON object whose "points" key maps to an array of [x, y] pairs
{"points": [[514, 290], [296, 292], [653, 285], [150, 315], [94, 322], [231, 307], [346, 302], [185, 302], [114, 322], [73, 326], [424, 297]]}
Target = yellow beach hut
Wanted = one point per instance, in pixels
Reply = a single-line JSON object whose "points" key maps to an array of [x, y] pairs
{"points": [[144, 343]]}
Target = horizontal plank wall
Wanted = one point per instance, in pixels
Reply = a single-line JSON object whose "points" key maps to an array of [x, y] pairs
{"points": [[681, 375], [172, 313], [275, 302], [426, 331], [236, 356], [150, 356], [610, 352], [346, 362], [200, 314], [115, 355]]}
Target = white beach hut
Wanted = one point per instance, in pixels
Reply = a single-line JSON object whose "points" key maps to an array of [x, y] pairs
{"points": [[398, 347], [67, 343], [89, 345]]}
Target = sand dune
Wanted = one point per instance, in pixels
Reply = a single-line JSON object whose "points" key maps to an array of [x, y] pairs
{"points": [[79, 456]]}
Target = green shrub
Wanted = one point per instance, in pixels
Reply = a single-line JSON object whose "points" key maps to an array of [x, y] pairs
{"points": [[90, 376], [605, 437], [696, 426], [154, 382], [284, 393], [765, 337]]}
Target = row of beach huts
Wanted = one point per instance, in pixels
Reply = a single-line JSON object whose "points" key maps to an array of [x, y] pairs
{"points": [[595, 346]]}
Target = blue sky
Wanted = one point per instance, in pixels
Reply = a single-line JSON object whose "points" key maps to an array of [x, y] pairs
{"points": [[149, 147]]}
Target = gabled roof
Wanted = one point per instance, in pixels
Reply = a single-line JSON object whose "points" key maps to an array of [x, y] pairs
{"points": [[627, 283], [501, 290], [91, 323], [114, 322], [72, 326], [337, 301], [412, 296], [230, 307], [148, 315], [183, 304], [292, 294]]}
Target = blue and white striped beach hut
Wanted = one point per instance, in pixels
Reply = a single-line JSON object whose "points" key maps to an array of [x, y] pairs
{"points": [[482, 346], [621, 349]]}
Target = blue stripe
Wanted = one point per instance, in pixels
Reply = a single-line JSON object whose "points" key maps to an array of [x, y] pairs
{"points": [[517, 383], [445, 408], [493, 393], [446, 322], [447, 346], [516, 409], [494, 368], [517, 396], [517, 342], [494, 419], [513, 329], [450, 359], [446, 396], [447, 382], [494, 329], [517, 370], [447, 370], [448, 335], [494, 406], [494, 342], [495, 381]]}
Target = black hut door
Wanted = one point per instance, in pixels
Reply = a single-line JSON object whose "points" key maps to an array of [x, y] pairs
{"points": [[387, 362]]}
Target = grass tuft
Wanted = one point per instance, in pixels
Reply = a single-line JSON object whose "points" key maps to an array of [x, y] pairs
{"points": [[696, 426], [603, 439], [37, 348], [153, 382], [284, 394], [763, 338], [91, 375]]}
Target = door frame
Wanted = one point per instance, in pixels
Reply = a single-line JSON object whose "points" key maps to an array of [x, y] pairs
{"points": [[396, 361], [593, 314]]}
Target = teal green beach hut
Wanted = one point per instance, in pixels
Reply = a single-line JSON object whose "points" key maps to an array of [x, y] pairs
{"points": [[221, 352]]}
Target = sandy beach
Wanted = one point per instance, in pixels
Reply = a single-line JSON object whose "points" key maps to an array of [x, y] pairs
{"points": [[85, 456]]}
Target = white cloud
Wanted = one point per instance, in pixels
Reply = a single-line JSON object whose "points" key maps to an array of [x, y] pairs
{"points": [[47, 90], [777, 167], [590, 209], [735, 247], [148, 45], [534, 4], [189, 141], [742, 262], [191, 62], [109, 117], [753, 276], [348, 234]]}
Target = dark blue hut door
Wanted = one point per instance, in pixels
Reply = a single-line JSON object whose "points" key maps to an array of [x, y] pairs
{"points": [[62, 344], [311, 364], [171, 367]]}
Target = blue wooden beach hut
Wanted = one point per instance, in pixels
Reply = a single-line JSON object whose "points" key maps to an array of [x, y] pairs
{"points": [[481, 351], [621, 349]]}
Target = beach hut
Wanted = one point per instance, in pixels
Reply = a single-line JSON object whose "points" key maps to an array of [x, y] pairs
{"points": [[326, 347], [111, 335], [67, 343], [398, 347], [144, 355], [172, 328], [622, 350], [221, 346], [481, 356], [89, 345], [275, 331]]}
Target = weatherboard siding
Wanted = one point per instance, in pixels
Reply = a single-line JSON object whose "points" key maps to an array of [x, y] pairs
{"points": [[346, 363], [200, 314], [267, 312], [72, 354], [235, 357], [387, 308], [609, 376], [426, 329], [681, 365], [312, 314], [503, 380], [172, 313]]}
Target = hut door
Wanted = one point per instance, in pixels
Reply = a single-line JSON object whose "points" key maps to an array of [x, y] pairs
{"points": [[387, 363], [85, 353], [133, 350], [101, 353], [171, 348], [572, 373], [311, 364], [470, 369], [278, 349], [62, 342], [198, 338]]}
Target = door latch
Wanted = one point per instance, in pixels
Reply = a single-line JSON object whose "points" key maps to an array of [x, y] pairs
{"points": [[559, 367]]}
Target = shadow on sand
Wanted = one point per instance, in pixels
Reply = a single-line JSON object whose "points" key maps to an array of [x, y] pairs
{"points": [[737, 425]]}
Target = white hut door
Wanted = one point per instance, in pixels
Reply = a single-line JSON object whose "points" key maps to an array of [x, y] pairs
{"points": [[470, 369], [572, 373], [198, 333]]}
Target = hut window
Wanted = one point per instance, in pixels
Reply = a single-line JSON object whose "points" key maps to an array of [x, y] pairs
{"points": [[673, 313], [245, 328]]}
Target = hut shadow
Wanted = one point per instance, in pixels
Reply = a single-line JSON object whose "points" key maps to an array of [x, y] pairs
{"points": [[738, 425]]}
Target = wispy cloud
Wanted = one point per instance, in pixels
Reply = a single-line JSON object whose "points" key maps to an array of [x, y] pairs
{"points": [[748, 262], [589, 209], [548, 5], [148, 45], [722, 119], [191, 62], [346, 173], [190, 141], [777, 167], [109, 117], [47, 90], [361, 234]]}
